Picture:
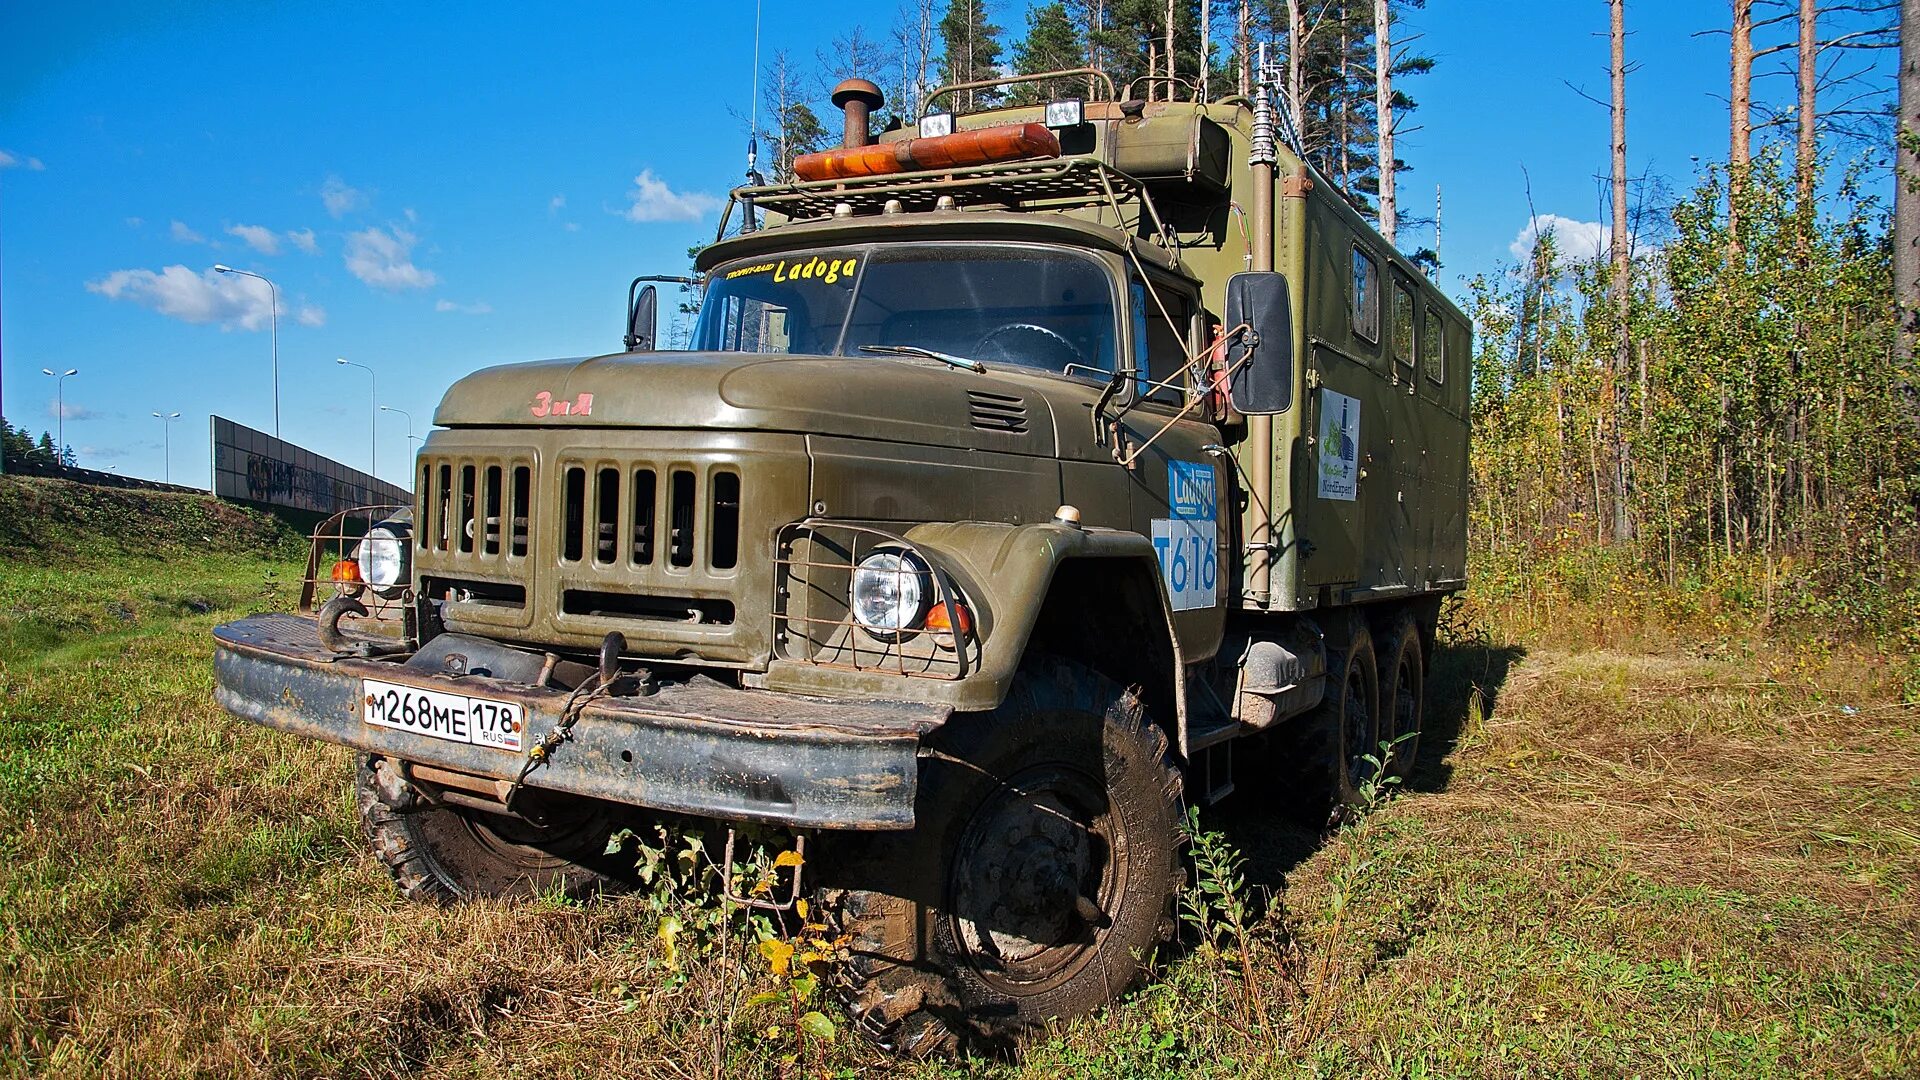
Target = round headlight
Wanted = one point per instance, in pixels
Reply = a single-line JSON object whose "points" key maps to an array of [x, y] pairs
{"points": [[383, 559], [891, 592]]}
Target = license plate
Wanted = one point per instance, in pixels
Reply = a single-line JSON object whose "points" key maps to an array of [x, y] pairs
{"points": [[452, 717]]}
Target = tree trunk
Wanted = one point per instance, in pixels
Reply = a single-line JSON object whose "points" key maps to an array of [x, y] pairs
{"points": [[1296, 87], [1906, 202], [1622, 275], [1740, 125], [1243, 45], [1383, 115], [1807, 153], [1172, 69]]}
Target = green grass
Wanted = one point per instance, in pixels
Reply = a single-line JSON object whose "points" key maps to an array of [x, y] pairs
{"points": [[1639, 860]]}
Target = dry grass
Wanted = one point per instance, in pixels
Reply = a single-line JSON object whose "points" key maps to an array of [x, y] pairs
{"points": [[1633, 862]]}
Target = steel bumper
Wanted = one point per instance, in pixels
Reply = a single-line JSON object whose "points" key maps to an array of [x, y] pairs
{"points": [[697, 748]]}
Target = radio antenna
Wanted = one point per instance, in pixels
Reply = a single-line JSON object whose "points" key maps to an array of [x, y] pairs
{"points": [[754, 179]]}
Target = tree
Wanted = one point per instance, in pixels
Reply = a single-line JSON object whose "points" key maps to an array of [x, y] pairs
{"points": [[794, 128], [1051, 44], [1383, 111], [973, 49], [1622, 273], [1906, 213], [913, 47]]}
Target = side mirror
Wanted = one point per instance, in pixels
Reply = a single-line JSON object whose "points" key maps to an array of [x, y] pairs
{"points": [[1261, 356], [643, 316]]}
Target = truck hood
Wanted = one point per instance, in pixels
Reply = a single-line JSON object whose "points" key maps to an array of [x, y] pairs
{"points": [[883, 398]]}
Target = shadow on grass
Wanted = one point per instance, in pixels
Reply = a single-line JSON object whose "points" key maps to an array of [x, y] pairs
{"points": [[1265, 824]]}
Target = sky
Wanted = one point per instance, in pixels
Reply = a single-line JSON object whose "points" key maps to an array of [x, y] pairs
{"points": [[436, 188]]}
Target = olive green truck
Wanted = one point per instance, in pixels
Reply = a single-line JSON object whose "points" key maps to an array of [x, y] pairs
{"points": [[1023, 466]]}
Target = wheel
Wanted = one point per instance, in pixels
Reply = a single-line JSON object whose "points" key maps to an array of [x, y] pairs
{"points": [[442, 854], [990, 346], [1403, 695], [1038, 881], [1330, 760]]}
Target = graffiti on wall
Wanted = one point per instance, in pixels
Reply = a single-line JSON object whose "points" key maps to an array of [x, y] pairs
{"points": [[256, 467]]}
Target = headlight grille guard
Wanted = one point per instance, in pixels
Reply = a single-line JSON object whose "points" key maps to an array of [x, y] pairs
{"points": [[335, 540], [813, 620]]}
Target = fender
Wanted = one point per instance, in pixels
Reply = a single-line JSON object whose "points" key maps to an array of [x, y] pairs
{"points": [[1006, 571]]}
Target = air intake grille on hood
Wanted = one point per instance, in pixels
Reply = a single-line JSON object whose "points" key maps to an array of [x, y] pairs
{"points": [[997, 412]]}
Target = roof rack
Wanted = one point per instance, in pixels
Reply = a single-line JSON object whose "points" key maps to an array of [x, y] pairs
{"points": [[1054, 184]]}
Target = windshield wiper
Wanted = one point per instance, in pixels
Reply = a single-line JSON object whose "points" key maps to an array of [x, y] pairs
{"points": [[962, 362]]}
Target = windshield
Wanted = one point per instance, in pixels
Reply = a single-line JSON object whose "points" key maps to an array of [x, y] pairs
{"points": [[1030, 307]]}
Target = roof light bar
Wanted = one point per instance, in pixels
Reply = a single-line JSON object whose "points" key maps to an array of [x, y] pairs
{"points": [[1006, 142]]}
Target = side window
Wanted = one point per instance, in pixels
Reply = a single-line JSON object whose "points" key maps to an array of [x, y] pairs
{"points": [[1403, 325], [1164, 350], [1433, 347], [1364, 296]]}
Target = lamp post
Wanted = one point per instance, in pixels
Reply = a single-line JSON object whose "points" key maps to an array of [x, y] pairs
{"points": [[60, 410], [273, 303], [166, 444], [411, 437], [374, 471]]}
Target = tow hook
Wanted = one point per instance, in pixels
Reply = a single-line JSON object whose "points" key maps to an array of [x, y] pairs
{"points": [[334, 641]]}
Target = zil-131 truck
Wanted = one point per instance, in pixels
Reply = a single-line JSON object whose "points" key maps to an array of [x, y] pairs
{"points": [[1022, 466]]}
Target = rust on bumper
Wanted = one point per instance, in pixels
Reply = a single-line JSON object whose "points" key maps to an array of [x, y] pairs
{"points": [[697, 748]]}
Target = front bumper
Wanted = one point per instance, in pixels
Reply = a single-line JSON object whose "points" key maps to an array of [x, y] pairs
{"points": [[696, 748]]}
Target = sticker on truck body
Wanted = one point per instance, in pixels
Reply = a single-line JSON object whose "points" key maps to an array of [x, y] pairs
{"points": [[1339, 457], [1187, 544]]}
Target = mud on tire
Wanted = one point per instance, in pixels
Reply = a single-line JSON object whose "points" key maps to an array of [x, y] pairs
{"points": [[443, 854], [1038, 882]]}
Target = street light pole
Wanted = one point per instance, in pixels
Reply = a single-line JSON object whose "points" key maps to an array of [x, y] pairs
{"points": [[273, 303], [60, 410], [166, 445], [411, 437], [375, 421]]}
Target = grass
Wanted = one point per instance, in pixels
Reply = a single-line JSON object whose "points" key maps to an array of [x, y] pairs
{"points": [[1623, 854]]}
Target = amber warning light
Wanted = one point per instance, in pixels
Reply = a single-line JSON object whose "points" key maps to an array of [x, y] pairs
{"points": [[1007, 142]]}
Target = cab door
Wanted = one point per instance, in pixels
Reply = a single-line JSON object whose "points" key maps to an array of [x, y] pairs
{"points": [[1181, 496]]}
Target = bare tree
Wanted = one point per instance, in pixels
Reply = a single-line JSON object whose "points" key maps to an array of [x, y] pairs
{"points": [[1906, 200], [914, 48], [1740, 115], [1383, 110], [1622, 270]]}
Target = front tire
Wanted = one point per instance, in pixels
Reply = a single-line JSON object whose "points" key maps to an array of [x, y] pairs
{"points": [[443, 854], [1038, 881]]}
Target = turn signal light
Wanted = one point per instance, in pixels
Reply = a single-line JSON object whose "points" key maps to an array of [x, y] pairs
{"points": [[347, 570], [1006, 142], [939, 623]]}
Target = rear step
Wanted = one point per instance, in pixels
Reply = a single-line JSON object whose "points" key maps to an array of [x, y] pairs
{"points": [[1210, 758]]}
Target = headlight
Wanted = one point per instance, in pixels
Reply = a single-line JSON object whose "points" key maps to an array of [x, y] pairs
{"points": [[891, 592], [383, 559]]}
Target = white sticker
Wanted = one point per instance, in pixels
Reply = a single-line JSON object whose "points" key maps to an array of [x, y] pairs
{"points": [[1189, 561], [1339, 446]]}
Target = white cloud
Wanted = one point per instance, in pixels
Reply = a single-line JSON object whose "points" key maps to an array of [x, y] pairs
{"points": [[58, 410], [258, 237], [185, 234], [571, 226], [476, 308], [230, 300], [384, 259], [15, 161], [303, 239], [134, 222], [1573, 241], [652, 200], [339, 198], [556, 204]]}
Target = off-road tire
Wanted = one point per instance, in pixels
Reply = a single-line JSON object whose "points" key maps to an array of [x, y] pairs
{"points": [[1334, 738], [958, 934], [1403, 694], [445, 854]]}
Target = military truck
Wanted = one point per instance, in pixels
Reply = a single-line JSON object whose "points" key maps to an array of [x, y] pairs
{"points": [[1023, 465]]}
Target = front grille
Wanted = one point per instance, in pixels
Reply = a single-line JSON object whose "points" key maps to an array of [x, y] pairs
{"points": [[530, 537]]}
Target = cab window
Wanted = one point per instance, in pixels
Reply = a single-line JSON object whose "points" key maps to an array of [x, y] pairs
{"points": [[1363, 296], [1159, 351], [1403, 324]]}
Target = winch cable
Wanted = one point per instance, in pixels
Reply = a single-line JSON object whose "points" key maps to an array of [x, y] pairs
{"points": [[592, 688]]}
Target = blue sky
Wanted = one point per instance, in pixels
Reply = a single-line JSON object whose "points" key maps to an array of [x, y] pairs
{"points": [[436, 188]]}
